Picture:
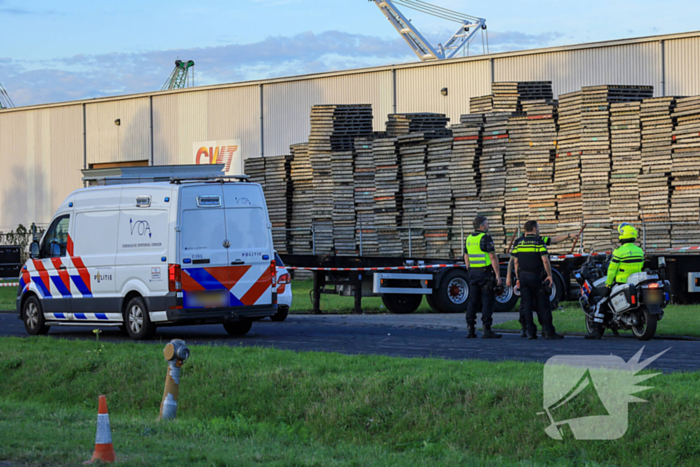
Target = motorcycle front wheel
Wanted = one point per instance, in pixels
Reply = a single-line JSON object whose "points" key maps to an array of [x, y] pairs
{"points": [[589, 325], [646, 327]]}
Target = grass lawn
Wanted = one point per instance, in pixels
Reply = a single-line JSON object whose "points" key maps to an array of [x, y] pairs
{"points": [[245, 406], [7, 298], [679, 320], [337, 304]]}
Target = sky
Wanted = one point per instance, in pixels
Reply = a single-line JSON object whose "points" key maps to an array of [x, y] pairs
{"points": [[59, 51]]}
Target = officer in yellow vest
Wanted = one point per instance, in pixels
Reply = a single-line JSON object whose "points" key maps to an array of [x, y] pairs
{"points": [[484, 274], [627, 259]]}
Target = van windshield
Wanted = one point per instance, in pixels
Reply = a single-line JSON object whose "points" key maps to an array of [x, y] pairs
{"points": [[247, 228]]}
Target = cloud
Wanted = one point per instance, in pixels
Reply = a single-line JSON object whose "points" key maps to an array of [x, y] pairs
{"points": [[15, 11], [89, 76]]}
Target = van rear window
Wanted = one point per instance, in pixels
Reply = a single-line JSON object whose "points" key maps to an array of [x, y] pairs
{"points": [[247, 228]]}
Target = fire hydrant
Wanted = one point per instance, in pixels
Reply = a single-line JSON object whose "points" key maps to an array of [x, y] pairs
{"points": [[176, 354]]}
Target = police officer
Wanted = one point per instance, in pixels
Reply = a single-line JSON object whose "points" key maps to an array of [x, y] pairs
{"points": [[509, 277], [627, 259], [482, 264], [531, 261]]}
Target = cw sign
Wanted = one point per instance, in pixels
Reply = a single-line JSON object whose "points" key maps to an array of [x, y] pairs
{"points": [[225, 152]]}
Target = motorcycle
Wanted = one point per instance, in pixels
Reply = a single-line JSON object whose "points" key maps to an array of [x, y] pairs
{"points": [[636, 305]]}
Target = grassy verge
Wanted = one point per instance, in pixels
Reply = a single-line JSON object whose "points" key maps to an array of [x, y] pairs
{"points": [[7, 298], [679, 320], [243, 406], [301, 302]]}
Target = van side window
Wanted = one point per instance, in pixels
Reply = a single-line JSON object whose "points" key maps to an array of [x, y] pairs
{"points": [[57, 233]]}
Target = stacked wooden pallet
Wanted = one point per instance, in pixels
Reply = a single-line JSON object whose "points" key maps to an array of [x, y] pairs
{"points": [[278, 195], [481, 104], [508, 96], [403, 124], [365, 191], [333, 129], [255, 168], [626, 145], [516, 195], [685, 173], [567, 164], [542, 126], [654, 186], [440, 202], [465, 178], [413, 151], [343, 203], [387, 197], [302, 200], [595, 162], [493, 173]]}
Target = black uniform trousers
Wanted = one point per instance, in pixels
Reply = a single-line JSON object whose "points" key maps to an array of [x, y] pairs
{"points": [[534, 296], [481, 283]]}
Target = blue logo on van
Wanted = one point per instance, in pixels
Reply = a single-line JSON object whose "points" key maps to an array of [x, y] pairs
{"points": [[140, 227]]}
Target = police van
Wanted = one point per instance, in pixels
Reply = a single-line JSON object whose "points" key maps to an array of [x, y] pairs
{"points": [[175, 248]]}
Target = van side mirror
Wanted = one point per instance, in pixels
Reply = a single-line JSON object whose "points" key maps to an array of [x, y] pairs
{"points": [[34, 250], [55, 250]]}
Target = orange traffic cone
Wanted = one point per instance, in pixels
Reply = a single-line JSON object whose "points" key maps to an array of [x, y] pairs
{"points": [[104, 451]]}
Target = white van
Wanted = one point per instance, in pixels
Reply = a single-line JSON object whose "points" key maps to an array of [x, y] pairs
{"points": [[144, 255]]}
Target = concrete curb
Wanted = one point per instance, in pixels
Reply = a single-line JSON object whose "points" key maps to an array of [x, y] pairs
{"points": [[580, 334]]}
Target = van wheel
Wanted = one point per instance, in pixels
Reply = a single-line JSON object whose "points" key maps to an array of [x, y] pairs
{"points": [[138, 323], [238, 328], [33, 317], [281, 315]]}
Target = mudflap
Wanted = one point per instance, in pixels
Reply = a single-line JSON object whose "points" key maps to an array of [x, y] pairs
{"points": [[656, 310]]}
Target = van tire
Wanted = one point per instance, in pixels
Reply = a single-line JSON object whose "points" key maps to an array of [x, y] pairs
{"points": [[138, 322], [238, 328], [33, 317], [281, 315]]}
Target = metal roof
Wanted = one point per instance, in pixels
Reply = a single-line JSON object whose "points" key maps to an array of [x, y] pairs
{"points": [[546, 50]]}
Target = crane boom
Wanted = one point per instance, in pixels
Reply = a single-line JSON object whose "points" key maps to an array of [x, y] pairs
{"points": [[5, 101], [180, 76], [415, 40]]}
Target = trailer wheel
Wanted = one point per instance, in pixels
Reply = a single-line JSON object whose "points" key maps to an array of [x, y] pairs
{"points": [[402, 303], [432, 304], [506, 301], [453, 294], [557, 290]]}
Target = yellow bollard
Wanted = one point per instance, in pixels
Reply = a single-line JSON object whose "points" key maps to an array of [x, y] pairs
{"points": [[175, 353]]}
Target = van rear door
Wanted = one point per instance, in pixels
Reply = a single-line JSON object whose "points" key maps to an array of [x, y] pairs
{"points": [[203, 247], [250, 253]]}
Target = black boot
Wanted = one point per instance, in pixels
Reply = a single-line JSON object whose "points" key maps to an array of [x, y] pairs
{"points": [[523, 332], [553, 336], [596, 332], [489, 334], [471, 331]]}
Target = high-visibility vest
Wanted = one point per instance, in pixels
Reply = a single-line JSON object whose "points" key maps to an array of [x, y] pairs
{"points": [[477, 257], [626, 260]]}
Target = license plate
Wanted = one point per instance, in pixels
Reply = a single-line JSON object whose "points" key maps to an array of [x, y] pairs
{"points": [[654, 298], [207, 299]]}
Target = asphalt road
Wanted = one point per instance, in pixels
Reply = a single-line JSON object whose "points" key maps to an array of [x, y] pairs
{"points": [[399, 336]]}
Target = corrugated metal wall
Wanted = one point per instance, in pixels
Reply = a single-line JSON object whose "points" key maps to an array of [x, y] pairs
{"points": [[287, 105], [41, 150], [129, 141], [418, 89], [41, 154], [571, 70], [683, 67], [184, 118]]}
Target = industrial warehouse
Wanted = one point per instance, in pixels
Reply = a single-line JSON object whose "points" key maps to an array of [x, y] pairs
{"points": [[44, 148]]}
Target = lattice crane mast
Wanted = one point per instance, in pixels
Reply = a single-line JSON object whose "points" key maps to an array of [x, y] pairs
{"points": [[180, 76], [468, 29], [5, 101]]}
